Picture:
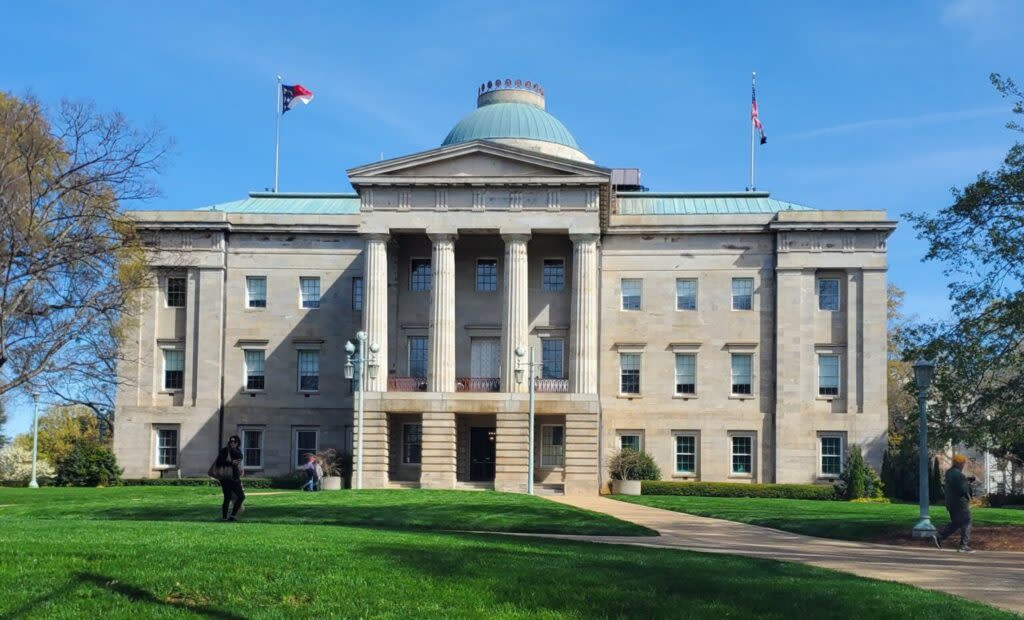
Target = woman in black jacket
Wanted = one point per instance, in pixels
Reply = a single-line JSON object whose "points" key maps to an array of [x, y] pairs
{"points": [[231, 456]]}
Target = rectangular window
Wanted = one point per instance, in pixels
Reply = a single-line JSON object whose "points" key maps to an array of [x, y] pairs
{"points": [[309, 371], [486, 275], [412, 443], [828, 294], [255, 377], [310, 289], [686, 454], [167, 447], [742, 455], [831, 456], [174, 369], [256, 291], [418, 356], [252, 448], [553, 276], [629, 373], [420, 274], [176, 288], [742, 293], [741, 373], [552, 358], [631, 291], [552, 445], [686, 294], [686, 373], [629, 441], [357, 293], [828, 375], [306, 442]]}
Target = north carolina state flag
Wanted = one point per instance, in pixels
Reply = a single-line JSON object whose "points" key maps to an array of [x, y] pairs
{"points": [[293, 93]]}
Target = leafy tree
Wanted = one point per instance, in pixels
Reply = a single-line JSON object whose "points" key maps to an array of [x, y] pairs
{"points": [[70, 260], [16, 464], [89, 464], [978, 390], [60, 429]]}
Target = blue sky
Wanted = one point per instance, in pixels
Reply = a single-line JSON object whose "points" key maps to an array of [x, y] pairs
{"points": [[883, 107]]}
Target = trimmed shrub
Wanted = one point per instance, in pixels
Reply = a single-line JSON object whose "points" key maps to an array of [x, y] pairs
{"points": [[936, 490], [736, 489], [858, 479], [998, 500], [249, 483], [89, 464], [628, 464]]}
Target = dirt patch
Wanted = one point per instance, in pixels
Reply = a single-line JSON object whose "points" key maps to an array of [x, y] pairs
{"points": [[986, 537]]}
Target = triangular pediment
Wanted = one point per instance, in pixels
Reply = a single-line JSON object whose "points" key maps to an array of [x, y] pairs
{"points": [[476, 161]]}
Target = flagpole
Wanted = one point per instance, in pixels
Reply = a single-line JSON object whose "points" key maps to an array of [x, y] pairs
{"points": [[753, 85], [277, 131]]}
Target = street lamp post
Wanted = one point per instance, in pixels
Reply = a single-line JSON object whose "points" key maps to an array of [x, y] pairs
{"points": [[33, 483], [367, 367], [528, 366], [923, 370]]}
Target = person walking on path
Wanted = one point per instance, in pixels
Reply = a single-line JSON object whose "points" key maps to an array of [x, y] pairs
{"points": [[314, 472], [230, 462], [958, 503]]}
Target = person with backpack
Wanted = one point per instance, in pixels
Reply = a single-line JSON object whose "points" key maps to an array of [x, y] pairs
{"points": [[227, 469], [314, 473]]}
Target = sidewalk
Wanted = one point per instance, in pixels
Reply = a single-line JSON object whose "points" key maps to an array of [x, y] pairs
{"points": [[992, 577]]}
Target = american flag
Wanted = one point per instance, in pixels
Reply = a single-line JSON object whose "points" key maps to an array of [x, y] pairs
{"points": [[753, 114]]}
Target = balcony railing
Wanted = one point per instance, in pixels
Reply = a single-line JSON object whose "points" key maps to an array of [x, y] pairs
{"points": [[551, 385], [478, 384], [407, 384]]}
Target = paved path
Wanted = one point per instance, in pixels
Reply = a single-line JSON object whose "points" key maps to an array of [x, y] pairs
{"points": [[992, 577]]}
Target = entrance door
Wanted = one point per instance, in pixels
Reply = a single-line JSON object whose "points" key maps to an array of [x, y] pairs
{"points": [[481, 454], [484, 358]]}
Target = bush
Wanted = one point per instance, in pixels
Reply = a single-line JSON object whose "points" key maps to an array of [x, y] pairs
{"points": [[858, 479], [250, 483], [89, 464], [936, 490], [16, 465], [736, 489], [628, 464], [998, 500]]}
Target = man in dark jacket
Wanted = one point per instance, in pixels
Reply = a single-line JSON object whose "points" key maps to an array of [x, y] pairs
{"points": [[958, 503]]}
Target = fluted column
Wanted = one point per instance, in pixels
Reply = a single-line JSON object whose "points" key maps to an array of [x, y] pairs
{"points": [[441, 350], [583, 320], [514, 309], [375, 306]]}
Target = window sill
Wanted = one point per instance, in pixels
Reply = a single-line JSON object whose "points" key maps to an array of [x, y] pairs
{"points": [[301, 308], [742, 397], [684, 476], [255, 308], [253, 392], [170, 391], [308, 392], [629, 396], [741, 476], [828, 478], [828, 398], [165, 467], [685, 396]]}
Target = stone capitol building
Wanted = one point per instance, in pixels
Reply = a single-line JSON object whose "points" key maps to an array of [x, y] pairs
{"points": [[731, 335]]}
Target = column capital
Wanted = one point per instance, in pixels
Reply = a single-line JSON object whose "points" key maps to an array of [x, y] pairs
{"points": [[383, 237], [510, 237], [585, 237], [437, 236]]}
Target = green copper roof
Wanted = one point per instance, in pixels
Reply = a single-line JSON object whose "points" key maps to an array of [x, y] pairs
{"points": [[699, 203], [269, 202], [510, 120]]}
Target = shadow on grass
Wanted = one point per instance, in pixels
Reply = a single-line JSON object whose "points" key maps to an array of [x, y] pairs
{"points": [[482, 516], [130, 592]]}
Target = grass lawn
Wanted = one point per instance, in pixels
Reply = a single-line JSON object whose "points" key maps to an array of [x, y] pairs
{"points": [[117, 553], [845, 520]]}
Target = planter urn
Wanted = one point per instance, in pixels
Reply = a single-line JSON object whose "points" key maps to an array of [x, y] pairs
{"points": [[626, 487], [331, 483]]}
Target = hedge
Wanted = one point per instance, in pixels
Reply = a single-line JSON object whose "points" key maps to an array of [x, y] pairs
{"points": [[734, 489], [998, 500]]}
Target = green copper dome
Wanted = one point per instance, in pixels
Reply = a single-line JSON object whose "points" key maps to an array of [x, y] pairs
{"points": [[510, 120]]}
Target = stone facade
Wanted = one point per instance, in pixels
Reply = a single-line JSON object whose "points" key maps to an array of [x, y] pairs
{"points": [[452, 259]]}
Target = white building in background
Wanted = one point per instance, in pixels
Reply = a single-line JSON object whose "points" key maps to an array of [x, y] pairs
{"points": [[733, 336]]}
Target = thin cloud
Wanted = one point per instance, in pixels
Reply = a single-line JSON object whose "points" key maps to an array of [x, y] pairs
{"points": [[984, 20], [897, 122]]}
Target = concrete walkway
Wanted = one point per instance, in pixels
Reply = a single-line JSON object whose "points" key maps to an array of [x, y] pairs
{"points": [[992, 577]]}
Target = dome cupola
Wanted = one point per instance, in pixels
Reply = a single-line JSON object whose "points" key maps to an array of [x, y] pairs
{"points": [[512, 112]]}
